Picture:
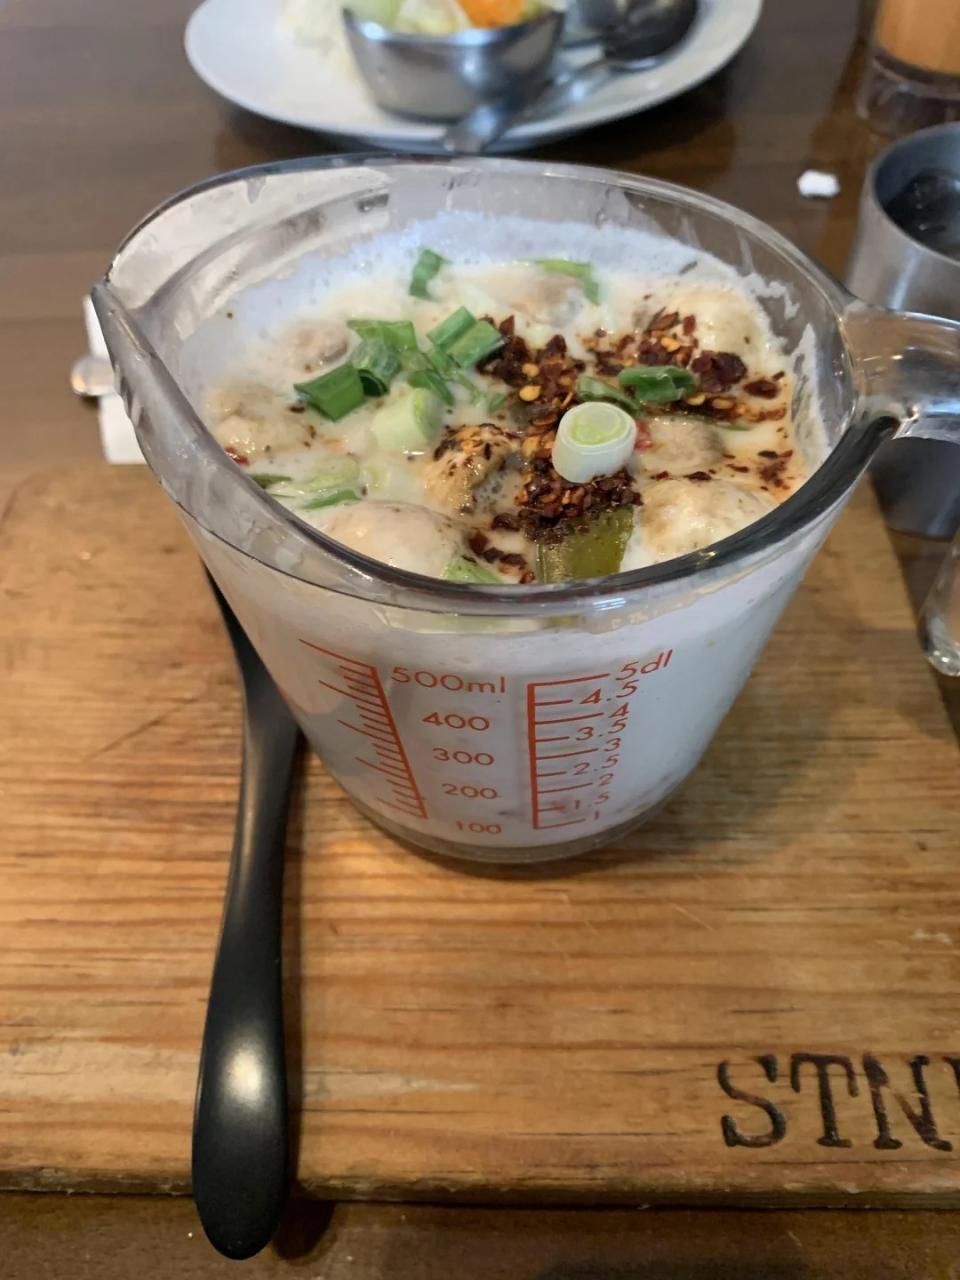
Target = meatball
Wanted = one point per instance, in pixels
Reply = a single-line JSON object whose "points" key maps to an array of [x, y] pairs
{"points": [[538, 296], [310, 349], [680, 445], [251, 420], [726, 320], [465, 458], [679, 516], [399, 534]]}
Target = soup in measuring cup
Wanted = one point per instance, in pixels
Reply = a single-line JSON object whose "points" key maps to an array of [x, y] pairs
{"points": [[512, 423]]}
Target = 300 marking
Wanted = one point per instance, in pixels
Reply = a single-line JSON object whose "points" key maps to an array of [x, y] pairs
{"points": [[462, 757]]}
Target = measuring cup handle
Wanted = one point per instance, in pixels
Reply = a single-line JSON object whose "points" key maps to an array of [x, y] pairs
{"points": [[907, 367]]}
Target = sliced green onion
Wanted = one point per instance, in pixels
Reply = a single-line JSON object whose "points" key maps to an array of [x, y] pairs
{"points": [[591, 552], [479, 341], [334, 394], [593, 440], [463, 570], [267, 481], [378, 474], [590, 388], [330, 499], [399, 334], [657, 384], [440, 361], [582, 271], [432, 382], [454, 327], [422, 371], [335, 481], [377, 363], [413, 360], [408, 420], [424, 269], [496, 401]]}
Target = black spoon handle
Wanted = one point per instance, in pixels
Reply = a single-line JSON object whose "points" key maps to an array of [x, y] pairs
{"points": [[240, 1148]]}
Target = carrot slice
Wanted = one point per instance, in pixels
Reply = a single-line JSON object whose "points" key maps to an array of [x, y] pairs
{"points": [[493, 13]]}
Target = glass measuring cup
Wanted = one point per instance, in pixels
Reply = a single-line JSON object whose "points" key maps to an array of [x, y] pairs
{"points": [[485, 722]]}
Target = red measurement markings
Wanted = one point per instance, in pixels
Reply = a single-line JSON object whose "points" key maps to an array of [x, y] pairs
{"points": [[553, 725], [359, 683], [575, 741]]}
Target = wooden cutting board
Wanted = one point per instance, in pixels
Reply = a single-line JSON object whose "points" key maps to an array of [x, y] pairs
{"points": [[756, 997]]}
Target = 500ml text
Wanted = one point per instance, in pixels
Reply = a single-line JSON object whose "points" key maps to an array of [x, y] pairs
{"points": [[829, 1080], [449, 680]]}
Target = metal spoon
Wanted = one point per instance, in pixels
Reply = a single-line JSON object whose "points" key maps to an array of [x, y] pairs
{"points": [[635, 47], [240, 1143], [91, 377]]}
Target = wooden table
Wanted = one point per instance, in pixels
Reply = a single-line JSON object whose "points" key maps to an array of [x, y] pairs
{"points": [[101, 118]]}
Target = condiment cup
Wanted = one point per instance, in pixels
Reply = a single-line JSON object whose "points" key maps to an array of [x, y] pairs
{"points": [[444, 77]]}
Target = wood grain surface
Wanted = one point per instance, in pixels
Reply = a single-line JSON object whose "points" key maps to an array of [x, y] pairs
{"points": [[86, 1237], [101, 118], [555, 1034]]}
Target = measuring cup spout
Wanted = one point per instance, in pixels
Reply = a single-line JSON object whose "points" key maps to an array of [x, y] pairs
{"points": [[906, 368], [149, 391], [188, 461]]}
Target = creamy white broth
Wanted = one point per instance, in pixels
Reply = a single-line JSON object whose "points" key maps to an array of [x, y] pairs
{"points": [[696, 479]]}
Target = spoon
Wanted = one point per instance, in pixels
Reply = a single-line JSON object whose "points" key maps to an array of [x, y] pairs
{"points": [[91, 377], [240, 1141], [240, 1144], [631, 48]]}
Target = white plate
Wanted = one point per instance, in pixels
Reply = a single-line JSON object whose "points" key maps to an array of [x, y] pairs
{"points": [[242, 52]]}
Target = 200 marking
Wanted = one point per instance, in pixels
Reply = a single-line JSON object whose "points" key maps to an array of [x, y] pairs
{"points": [[468, 791]]}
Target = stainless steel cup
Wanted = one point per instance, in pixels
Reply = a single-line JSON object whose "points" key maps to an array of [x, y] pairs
{"points": [[907, 255], [894, 264], [940, 616], [445, 77]]}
